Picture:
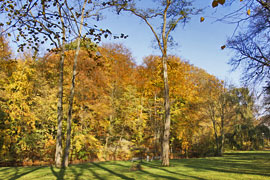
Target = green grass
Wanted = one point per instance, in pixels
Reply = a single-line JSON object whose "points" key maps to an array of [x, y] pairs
{"points": [[234, 165]]}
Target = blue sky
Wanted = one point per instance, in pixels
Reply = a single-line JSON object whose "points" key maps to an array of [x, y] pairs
{"points": [[199, 43]]}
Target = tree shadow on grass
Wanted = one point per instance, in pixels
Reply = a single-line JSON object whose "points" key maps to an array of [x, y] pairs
{"points": [[247, 154], [59, 175], [168, 171], [158, 175], [95, 174], [219, 169], [144, 172], [112, 172], [77, 174], [2, 169], [227, 166], [100, 165], [18, 175], [124, 166]]}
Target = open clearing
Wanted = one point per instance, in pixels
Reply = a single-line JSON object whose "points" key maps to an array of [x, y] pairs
{"points": [[234, 165]]}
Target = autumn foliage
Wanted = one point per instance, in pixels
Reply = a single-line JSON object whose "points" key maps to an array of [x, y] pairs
{"points": [[118, 107]]}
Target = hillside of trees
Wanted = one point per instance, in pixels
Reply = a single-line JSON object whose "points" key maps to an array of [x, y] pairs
{"points": [[82, 101], [118, 108]]}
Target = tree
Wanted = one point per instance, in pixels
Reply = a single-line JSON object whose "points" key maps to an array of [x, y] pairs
{"points": [[33, 19], [121, 93], [242, 129], [57, 22], [251, 46], [171, 13], [266, 104], [149, 84], [74, 72]]}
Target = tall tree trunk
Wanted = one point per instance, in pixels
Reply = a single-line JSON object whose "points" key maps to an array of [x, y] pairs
{"points": [[156, 127], [216, 137], [222, 135], [58, 151], [222, 117], [70, 107], [167, 120], [213, 118], [106, 151], [71, 97], [166, 135]]}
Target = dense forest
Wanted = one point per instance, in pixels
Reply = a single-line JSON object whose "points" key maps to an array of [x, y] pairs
{"points": [[81, 101], [118, 108]]}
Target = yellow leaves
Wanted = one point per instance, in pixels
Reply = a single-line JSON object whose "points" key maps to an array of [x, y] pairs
{"points": [[78, 143], [248, 12], [19, 130], [83, 142], [201, 19], [185, 145]]}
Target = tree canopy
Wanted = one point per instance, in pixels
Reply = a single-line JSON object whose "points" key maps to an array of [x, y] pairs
{"points": [[111, 108]]}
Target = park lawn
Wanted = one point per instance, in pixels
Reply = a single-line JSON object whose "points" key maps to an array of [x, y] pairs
{"points": [[233, 165]]}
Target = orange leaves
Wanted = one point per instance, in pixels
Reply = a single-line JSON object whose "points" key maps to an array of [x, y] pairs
{"points": [[248, 12], [216, 2], [113, 98], [201, 19], [223, 47]]}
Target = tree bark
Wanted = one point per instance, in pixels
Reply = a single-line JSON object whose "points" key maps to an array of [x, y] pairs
{"points": [[70, 108], [156, 127], [213, 118], [216, 137], [162, 44], [166, 136], [222, 134], [58, 151], [72, 90]]}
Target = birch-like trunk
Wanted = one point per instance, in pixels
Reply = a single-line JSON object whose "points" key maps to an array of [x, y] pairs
{"points": [[58, 151], [162, 44], [216, 137], [213, 118], [222, 132], [72, 90]]}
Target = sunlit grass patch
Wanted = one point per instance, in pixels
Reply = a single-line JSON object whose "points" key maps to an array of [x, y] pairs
{"points": [[233, 165]]}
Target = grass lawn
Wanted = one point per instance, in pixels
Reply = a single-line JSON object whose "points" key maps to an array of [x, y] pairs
{"points": [[235, 165]]}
